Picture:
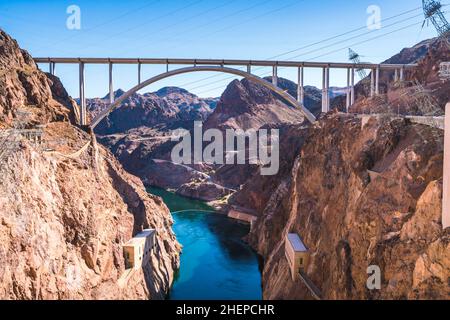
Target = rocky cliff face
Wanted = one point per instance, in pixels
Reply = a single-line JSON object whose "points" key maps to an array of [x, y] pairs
{"points": [[66, 205], [145, 152], [23, 87], [246, 105], [358, 195], [167, 108]]}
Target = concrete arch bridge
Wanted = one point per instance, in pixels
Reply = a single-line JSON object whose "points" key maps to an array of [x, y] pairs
{"points": [[229, 67]]}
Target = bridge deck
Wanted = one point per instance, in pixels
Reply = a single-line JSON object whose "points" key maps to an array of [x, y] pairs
{"points": [[229, 62]]}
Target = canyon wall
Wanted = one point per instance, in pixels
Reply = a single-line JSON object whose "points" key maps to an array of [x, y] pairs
{"points": [[66, 205], [358, 195]]}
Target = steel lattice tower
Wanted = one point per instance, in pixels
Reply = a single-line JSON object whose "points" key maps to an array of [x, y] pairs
{"points": [[356, 59], [433, 13]]}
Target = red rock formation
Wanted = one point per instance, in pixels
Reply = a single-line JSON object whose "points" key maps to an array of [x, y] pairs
{"points": [[167, 108], [349, 221], [23, 86], [245, 105], [64, 214]]}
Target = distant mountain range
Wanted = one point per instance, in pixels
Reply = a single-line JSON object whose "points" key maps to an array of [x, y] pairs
{"points": [[167, 108]]}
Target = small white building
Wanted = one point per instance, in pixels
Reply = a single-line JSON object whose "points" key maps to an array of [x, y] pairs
{"points": [[297, 254], [137, 251]]}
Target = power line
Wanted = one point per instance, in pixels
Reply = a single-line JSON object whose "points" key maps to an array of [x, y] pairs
{"points": [[354, 37], [311, 51], [246, 21], [227, 3], [143, 24], [313, 44], [203, 26], [106, 22], [337, 50], [342, 34], [83, 31]]}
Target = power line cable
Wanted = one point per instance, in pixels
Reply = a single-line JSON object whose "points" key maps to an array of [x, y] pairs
{"points": [[227, 3], [149, 4], [143, 24], [203, 26], [234, 25], [337, 50], [308, 46], [312, 51]]}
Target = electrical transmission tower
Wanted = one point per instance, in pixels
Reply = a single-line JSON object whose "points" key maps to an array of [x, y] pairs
{"points": [[356, 59], [433, 13]]}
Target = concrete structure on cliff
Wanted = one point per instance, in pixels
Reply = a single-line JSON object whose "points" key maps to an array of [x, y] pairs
{"points": [[137, 251], [298, 256], [296, 253], [230, 67]]}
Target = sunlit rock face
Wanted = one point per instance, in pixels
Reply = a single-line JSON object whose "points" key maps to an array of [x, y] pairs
{"points": [[65, 213], [168, 108], [350, 221]]}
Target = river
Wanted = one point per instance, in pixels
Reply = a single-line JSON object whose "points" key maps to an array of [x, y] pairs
{"points": [[215, 264]]}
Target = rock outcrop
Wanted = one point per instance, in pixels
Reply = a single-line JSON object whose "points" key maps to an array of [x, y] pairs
{"points": [[66, 204], [24, 87], [168, 108], [351, 219]]}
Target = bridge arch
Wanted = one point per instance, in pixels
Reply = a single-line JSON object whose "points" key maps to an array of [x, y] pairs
{"points": [[291, 100]]}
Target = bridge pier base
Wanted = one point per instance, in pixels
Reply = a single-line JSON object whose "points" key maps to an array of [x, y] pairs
{"points": [[446, 175]]}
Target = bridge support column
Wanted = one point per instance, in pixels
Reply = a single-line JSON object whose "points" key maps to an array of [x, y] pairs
{"points": [[348, 91], [275, 76], [249, 68], [352, 91], [372, 83], [325, 90], [301, 86], [111, 87], [396, 75], [139, 72], [52, 67], [446, 176], [83, 115], [402, 74], [377, 80]]}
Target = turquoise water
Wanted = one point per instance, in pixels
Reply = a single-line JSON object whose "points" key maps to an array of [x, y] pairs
{"points": [[215, 263]]}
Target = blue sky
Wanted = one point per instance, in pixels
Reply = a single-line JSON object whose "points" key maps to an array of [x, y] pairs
{"points": [[251, 29]]}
